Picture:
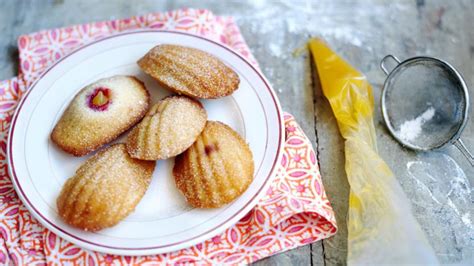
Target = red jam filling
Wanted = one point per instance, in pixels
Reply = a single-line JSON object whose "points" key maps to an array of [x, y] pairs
{"points": [[99, 99], [208, 149]]}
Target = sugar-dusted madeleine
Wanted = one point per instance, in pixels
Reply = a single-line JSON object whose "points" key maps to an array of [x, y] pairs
{"points": [[189, 71], [216, 169], [168, 129], [99, 113], [105, 189]]}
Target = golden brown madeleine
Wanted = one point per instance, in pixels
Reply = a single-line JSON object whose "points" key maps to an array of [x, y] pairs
{"points": [[99, 113], [168, 129], [216, 169], [105, 189], [189, 71]]}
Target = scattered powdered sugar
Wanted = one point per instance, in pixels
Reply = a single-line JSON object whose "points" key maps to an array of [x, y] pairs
{"points": [[411, 129], [441, 195], [276, 50]]}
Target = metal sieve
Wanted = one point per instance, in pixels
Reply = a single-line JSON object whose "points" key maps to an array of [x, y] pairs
{"points": [[425, 103]]}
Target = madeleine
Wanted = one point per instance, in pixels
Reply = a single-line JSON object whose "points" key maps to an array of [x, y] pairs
{"points": [[189, 71], [99, 113], [104, 190], [216, 169], [168, 129]]}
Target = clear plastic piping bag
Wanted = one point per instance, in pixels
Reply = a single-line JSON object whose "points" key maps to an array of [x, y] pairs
{"points": [[381, 226]]}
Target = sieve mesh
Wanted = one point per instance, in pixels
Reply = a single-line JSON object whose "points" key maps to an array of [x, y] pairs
{"points": [[424, 103]]}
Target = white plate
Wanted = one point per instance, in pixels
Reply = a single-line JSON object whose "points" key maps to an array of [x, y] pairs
{"points": [[162, 222]]}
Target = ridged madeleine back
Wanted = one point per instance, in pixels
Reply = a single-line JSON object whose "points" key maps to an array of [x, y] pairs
{"points": [[168, 129], [189, 71], [104, 190], [216, 169]]}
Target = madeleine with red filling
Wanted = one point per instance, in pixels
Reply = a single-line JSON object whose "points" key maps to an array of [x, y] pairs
{"points": [[216, 169], [99, 113]]}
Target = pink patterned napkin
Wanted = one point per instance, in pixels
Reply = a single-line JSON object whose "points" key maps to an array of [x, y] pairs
{"points": [[295, 210]]}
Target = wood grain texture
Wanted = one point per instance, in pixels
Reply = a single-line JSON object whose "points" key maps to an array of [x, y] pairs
{"points": [[361, 31]]}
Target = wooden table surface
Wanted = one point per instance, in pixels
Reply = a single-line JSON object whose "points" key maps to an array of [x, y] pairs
{"points": [[362, 32]]}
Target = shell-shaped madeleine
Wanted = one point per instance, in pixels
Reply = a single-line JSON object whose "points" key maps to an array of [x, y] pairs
{"points": [[216, 169], [105, 189], [99, 113], [168, 129], [189, 71]]}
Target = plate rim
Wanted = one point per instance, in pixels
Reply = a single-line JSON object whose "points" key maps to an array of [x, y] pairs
{"points": [[80, 241]]}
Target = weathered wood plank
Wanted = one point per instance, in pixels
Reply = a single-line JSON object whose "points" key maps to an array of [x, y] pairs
{"points": [[362, 31], [331, 161], [9, 17], [298, 256]]}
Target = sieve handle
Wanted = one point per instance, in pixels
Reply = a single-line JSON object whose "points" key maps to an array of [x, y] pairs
{"points": [[384, 60], [461, 147]]}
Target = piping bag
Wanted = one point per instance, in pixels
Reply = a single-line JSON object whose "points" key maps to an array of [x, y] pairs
{"points": [[381, 226]]}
